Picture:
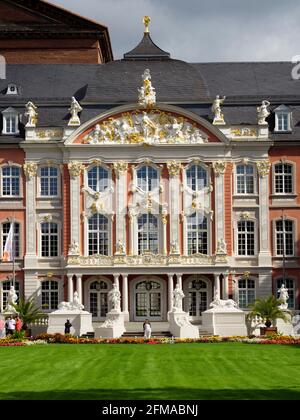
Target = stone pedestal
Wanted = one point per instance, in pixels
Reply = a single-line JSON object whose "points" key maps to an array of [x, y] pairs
{"points": [[180, 325], [285, 328], [113, 327], [224, 322], [81, 322]]}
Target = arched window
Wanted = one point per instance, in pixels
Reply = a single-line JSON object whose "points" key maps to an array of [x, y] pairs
{"points": [[197, 234], [147, 178], [98, 235], [5, 290], [49, 295], [284, 237], [197, 297], [246, 292], [283, 178], [290, 285], [10, 181], [49, 239], [16, 237], [196, 177], [244, 179], [48, 181], [246, 237], [98, 178], [147, 234]]}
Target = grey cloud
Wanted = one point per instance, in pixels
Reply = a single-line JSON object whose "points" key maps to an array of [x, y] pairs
{"points": [[201, 31]]}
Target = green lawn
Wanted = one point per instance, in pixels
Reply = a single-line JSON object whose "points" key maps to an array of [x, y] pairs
{"points": [[179, 371]]}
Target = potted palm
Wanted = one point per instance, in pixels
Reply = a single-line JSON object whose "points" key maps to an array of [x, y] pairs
{"points": [[268, 310], [29, 312]]}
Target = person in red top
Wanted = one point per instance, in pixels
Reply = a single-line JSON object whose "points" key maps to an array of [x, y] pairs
{"points": [[18, 324]]}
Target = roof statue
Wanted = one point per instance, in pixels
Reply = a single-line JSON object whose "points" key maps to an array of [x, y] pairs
{"points": [[146, 21], [263, 113], [216, 109], [147, 95], [31, 113], [74, 111]]}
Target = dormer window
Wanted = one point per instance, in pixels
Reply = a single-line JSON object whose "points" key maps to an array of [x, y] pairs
{"points": [[12, 89], [10, 121], [283, 117]]}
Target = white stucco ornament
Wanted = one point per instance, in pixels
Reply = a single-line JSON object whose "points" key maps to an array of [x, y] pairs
{"points": [[74, 111], [263, 113], [147, 95], [149, 127], [74, 248]]}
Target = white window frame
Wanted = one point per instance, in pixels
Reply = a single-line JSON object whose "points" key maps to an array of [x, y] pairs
{"points": [[255, 238], [254, 180], [11, 165], [2, 222], [245, 288], [59, 246], [188, 167], [294, 221], [208, 233], [39, 180], [109, 232], [91, 167], [158, 231], [59, 290], [292, 164], [10, 113], [12, 89], [151, 165], [281, 111]]}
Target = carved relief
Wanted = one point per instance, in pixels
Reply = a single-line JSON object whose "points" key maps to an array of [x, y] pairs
{"points": [[146, 127], [120, 167], [219, 167], [174, 168]]}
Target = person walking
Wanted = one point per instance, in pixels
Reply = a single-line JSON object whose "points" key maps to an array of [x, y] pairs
{"points": [[18, 324], [2, 328], [11, 324], [147, 329]]}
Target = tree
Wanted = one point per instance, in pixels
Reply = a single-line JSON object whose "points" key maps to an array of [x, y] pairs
{"points": [[28, 311], [267, 309]]}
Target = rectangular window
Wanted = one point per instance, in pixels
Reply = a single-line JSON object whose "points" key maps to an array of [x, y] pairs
{"points": [[10, 124], [245, 179], [246, 238], [283, 178], [49, 240], [10, 181], [16, 237], [283, 122], [49, 181], [284, 237]]}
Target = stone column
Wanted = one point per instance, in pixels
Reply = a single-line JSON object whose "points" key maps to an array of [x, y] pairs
{"points": [[116, 279], [75, 169], [125, 296], [164, 236], [30, 171], [225, 286], [70, 288], [170, 291], [264, 256], [219, 171], [179, 280], [132, 223], [174, 169], [79, 287], [217, 284], [120, 169]]}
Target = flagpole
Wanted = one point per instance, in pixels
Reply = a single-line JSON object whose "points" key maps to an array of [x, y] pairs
{"points": [[13, 251]]}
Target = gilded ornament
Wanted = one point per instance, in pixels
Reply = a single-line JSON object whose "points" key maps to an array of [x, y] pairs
{"points": [[75, 168], [174, 168], [30, 169], [219, 167], [120, 167], [263, 167]]}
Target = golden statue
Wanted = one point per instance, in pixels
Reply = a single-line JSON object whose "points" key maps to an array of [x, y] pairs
{"points": [[146, 21]]}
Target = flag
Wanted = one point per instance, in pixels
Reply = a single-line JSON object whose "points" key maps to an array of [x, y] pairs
{"points": [[8, 249]]}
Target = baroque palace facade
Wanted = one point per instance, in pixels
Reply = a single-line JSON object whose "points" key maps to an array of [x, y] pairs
{"points": [[119, 185]]}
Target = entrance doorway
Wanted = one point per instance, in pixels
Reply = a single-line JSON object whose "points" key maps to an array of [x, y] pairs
{"points": [[98, 299], [148, 296]]}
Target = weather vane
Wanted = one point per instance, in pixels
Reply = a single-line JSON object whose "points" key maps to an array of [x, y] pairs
{"points": [[146, 21]]}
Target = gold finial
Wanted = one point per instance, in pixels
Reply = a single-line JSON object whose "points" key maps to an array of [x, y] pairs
{"points": [[146, 21]]}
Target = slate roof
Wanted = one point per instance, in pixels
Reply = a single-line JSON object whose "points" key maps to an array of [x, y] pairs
{"points": [[192, 86]]}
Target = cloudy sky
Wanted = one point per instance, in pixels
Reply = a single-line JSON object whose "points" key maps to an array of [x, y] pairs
{"points": [[201, 30]]}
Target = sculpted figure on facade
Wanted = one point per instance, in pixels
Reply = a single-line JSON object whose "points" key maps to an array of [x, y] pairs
{"points": [[31, 113], [30, 169], [283, 296], [147, 95], [216, 109], [74, 111], [11, 300], [221, 247], [114, 296], [120, 247], [73, 248], [178, 296], [222, 303], [263, 113]]}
